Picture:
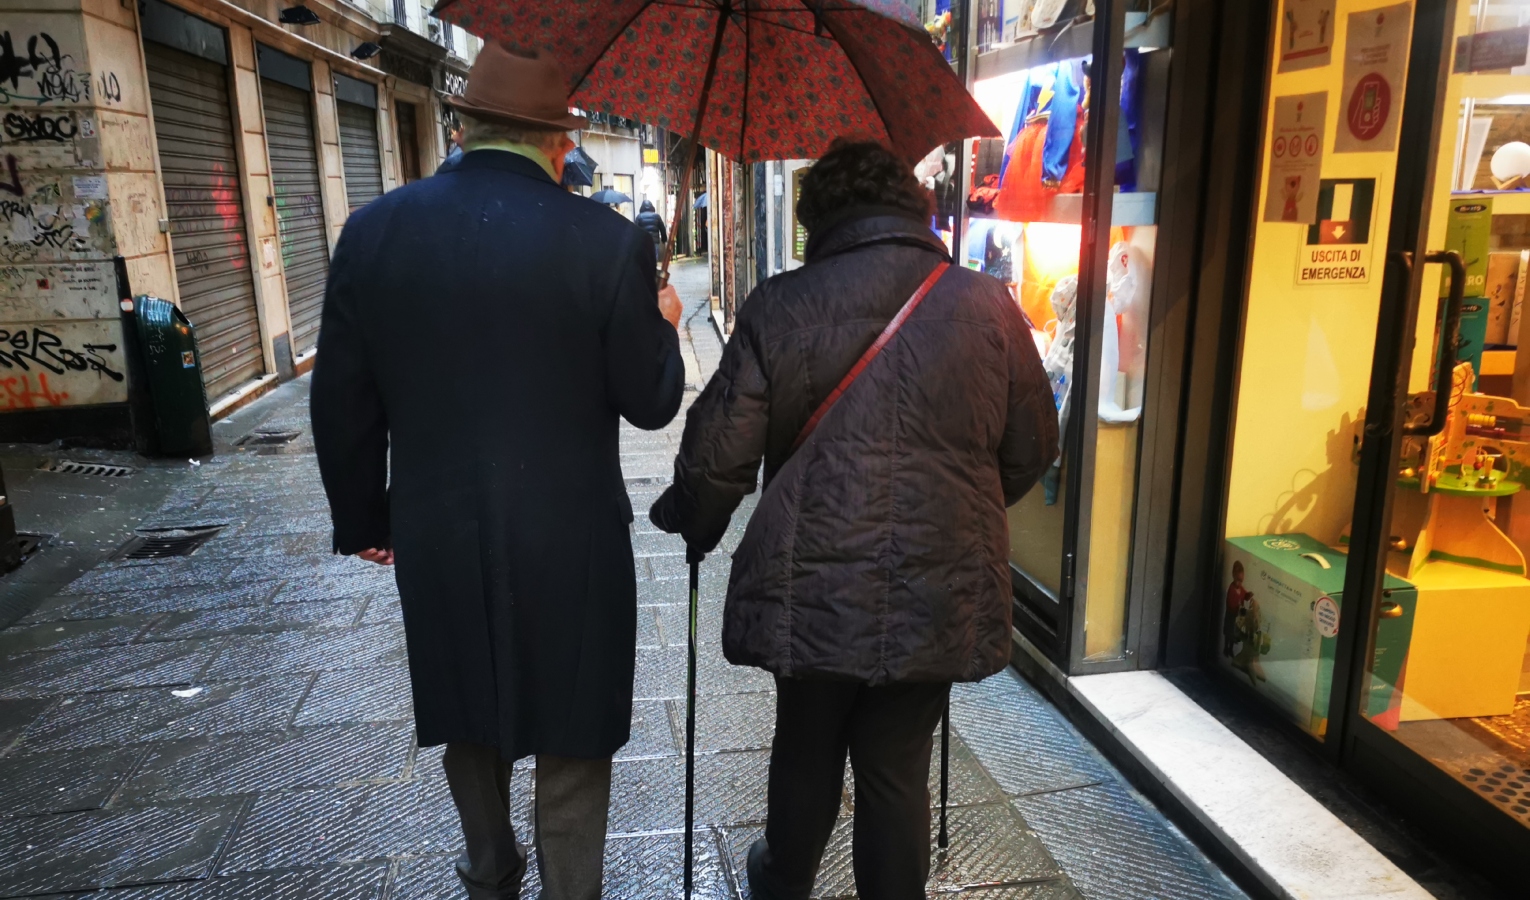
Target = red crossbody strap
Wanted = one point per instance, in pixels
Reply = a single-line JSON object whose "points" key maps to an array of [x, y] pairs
{"points": [[870, 354]]}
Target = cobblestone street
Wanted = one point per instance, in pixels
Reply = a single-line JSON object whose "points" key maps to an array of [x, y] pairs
{"points": [[236, 723]]}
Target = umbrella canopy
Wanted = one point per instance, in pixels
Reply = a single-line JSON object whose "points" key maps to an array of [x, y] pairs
{"points": [[752, 79], [701, 202], [578, 168], [610, 197]]}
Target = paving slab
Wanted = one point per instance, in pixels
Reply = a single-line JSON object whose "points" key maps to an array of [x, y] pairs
{"points": [[112, 848], [233, 764]]}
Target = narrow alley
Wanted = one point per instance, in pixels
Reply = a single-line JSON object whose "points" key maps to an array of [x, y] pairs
{"points": [[236, 722]]}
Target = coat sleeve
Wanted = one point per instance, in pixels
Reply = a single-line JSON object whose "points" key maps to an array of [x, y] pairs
{"points": [[645, 375], [1029, 443], [350, 426], [723, 444]]}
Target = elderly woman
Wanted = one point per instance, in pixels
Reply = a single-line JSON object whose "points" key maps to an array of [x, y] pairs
{"points": [[874, 572]]}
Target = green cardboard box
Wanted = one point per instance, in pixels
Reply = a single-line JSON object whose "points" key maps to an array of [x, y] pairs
{"points": [[1280, 624], [1469, 231]]}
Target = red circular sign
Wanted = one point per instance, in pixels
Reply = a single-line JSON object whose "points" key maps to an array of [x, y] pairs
{"points": [[1369, 106], [1312, 145], [1280, 147]]}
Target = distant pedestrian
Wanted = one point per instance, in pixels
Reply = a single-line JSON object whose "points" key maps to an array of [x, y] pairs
{"points": [[650, 221], [483, 333], [874, 572]]}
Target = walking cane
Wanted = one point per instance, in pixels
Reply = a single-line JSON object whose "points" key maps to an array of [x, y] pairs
{"points": [[694, 559], [943, 841]]}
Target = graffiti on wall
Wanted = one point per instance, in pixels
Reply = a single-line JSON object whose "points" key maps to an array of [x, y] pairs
{"points": [[46, 139], [47, 364], [35, 68], [61, 218]]}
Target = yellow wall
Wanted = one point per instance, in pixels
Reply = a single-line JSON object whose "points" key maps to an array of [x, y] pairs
{"points": [[1306, 354]]}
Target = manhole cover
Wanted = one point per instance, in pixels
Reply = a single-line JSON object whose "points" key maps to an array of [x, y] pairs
{"points": [[74, 467], [159, 543], [268, 438]]}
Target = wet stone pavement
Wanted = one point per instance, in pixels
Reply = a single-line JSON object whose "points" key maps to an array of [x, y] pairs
{"points": [[236, 723]]}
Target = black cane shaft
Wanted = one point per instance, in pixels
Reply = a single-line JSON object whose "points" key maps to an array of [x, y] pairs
{"points": [[690, 730], [944, 839]]}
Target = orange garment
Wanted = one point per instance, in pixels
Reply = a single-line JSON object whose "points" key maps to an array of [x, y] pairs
{"points": [[1023, 196]]}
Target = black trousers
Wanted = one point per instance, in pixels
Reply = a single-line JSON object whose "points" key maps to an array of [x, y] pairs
{"points": [[569, 824], [888, 733]]}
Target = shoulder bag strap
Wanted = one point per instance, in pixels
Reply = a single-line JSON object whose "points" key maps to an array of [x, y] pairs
{"points": [[870, 354]]}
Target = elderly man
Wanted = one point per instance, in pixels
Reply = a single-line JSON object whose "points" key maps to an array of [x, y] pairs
{"points": [[483, 332]]}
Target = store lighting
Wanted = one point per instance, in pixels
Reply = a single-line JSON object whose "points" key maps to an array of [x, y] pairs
{"points": [[366, 50], [298, 15]]}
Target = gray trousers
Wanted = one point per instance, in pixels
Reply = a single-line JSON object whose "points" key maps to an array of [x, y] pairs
{"points": [[572, 799]]}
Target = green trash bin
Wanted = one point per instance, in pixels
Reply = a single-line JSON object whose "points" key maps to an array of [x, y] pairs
{"points": [[173, 371]]}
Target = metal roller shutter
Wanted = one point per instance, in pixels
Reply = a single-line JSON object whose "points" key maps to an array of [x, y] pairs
{"points": [[194, 128], [361, 154], [299, 206]]}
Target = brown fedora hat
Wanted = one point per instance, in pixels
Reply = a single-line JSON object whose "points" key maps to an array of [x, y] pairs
{"points": [[517, 90]]}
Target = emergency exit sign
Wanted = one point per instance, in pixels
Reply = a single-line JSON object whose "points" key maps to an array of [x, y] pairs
{"points": [[1337, 250]]}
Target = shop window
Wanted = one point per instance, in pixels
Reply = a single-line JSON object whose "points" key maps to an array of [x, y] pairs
{"points": [[1025, 207]]}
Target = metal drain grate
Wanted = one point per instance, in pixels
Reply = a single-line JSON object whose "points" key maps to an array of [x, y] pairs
{"points": [[268, 438], [159, 543], [1508, 784], [74, 467]]}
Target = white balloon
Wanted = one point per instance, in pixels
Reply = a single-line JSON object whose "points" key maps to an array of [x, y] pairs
{"points": [[1510, 160]]}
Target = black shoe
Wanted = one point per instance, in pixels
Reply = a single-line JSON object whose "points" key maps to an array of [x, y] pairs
{"points": [[761, 885]]}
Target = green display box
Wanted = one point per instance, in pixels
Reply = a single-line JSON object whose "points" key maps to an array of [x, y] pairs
{"points": [[1280, 624]]}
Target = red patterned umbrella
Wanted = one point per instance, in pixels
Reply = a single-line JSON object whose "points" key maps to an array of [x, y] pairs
{"points": [[752, 79]]}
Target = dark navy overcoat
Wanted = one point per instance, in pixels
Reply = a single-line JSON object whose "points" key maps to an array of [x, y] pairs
{"points": [[483, 332]]}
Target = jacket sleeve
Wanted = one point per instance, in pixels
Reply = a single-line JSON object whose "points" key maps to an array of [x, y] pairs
{"points": [[645, 375], [723, 444], [350, 425], [1029, 444]]}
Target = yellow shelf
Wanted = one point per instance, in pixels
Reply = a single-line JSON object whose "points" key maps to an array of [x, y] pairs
{"points": [[1497, 362]]}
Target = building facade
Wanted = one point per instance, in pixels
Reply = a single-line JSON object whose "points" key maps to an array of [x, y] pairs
{"points": [[215, 148]]}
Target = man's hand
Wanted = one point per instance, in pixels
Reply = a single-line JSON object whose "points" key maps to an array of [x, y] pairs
{"points": [[381, 557], [669, 304]]}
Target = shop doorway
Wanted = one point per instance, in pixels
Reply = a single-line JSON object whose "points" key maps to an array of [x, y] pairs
{"points": [[1373, 588], [408, 141], [360, 151]]}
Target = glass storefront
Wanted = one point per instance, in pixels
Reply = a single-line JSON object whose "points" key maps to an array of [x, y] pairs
{"points": [[1078, 261], [1372, 585]]}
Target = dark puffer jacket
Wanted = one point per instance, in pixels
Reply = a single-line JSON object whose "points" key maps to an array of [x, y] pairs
{"points": [[879, 550], [650, 221]]}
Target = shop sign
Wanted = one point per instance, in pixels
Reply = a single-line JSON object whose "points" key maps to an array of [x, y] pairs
{"points": [[1375, 61], [1296, 158], [650, 155], [1338, 247], [1306, 34], [1489, 51]]}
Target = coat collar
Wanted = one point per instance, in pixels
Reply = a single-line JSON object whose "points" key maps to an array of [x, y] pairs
{"points": [[503, 161], [861, 226]]}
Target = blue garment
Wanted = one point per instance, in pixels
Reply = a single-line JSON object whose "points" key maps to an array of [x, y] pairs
{"points": [[1129, 132], [1062, 124]]}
